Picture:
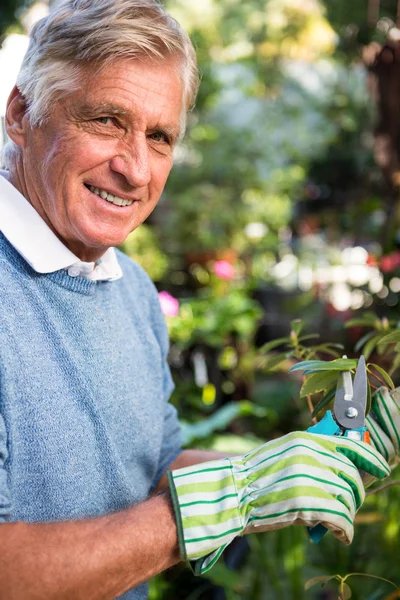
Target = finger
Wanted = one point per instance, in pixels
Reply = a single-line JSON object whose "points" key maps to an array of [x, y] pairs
{"points": [[334, 515], [356, 486], [293, 493], [395, 395], [387, 414], [363, 456], [380, 440], [341, 528]]}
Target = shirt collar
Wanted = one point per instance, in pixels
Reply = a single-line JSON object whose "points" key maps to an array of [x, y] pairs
{"points": [[24, 227]]}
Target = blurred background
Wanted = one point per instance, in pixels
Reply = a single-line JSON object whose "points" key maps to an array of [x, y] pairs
{"points": [[280, 223]]}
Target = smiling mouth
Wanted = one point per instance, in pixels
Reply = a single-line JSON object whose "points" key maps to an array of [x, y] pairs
{"points": [[109, 197]]}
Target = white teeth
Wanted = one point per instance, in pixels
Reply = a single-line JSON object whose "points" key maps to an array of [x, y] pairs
{"points": [[109, 197]]}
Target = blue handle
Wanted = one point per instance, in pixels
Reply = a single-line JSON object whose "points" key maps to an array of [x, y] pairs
{"points": [[328, 426]]}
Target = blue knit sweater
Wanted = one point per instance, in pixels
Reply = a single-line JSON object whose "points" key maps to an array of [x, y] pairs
{"points": [[85, 424]]}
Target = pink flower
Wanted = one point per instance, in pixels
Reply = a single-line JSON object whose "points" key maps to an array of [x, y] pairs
{"points": [[169, 304], [224, 270]]}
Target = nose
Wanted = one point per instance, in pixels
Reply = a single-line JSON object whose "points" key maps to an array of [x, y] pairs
{"points": [[132, 161]]}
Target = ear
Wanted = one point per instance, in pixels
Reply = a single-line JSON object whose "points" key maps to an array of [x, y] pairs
{"points": [[16, 117]]}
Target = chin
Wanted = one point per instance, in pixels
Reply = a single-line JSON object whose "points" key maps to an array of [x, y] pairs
{"points": [[105, 238]]}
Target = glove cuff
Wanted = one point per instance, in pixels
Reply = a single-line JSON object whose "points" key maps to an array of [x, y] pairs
{"points": [[206, 507], [178, 518]]}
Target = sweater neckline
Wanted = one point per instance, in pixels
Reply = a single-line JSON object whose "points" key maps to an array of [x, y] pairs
{"points": [[80, 285]]}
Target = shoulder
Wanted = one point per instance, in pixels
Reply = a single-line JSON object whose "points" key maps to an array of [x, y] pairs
{"points": [[134, 274], [11, 263]]}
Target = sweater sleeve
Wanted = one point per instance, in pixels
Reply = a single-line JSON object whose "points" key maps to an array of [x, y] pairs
{"points": [[5, 495], [172, 438], [171, 445]]}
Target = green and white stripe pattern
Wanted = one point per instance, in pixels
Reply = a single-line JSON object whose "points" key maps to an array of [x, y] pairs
{"points": [[384, 426], [301, 478]]}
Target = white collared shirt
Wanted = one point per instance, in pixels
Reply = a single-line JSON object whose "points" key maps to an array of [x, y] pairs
{"points": [[33, 239]]}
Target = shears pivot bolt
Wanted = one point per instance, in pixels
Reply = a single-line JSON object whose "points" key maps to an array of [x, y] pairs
{"points": [[351, 412]]}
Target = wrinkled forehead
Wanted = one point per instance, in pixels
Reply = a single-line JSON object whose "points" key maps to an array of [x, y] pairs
{"points": [[136, 82], [146, 91]]}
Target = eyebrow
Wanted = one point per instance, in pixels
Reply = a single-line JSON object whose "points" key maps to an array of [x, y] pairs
{"points": [[90, 110], [103, 107]]}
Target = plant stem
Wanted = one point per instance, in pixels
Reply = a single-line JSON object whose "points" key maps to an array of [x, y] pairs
{"points": [[370, 576], [310, 405], [376, 377], [383, 487], [311, 409]]}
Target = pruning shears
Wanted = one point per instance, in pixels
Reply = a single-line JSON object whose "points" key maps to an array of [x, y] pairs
{"points": [[347, 418]]}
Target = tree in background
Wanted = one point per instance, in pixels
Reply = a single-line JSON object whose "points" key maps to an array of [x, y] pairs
{"points": [[10, 10], [370, 30]]}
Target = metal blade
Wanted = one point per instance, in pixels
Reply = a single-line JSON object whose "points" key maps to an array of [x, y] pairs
{"points": [[356, 405], [360, 383]]}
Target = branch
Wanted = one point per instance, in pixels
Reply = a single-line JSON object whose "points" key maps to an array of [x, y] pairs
{"points": [[311, 409], [373, 12], [383, 487]]}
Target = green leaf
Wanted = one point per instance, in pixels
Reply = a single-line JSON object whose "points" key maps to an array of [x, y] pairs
{"points": [[326, 400], [220, 420], [391, 338], [385, 375], [329, 349], [371, 345], [309, 336], [340, 364], [363, 340], [330, 345], [369, 399], [318, 382], [276, 360], [274, 344], [382, 349], [367, 320], [345, 591], [357, 323], [395, 365], [297, 326], [322, 579]]}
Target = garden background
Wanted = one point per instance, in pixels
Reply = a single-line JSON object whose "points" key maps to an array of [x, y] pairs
{"points": [[281, 219]]}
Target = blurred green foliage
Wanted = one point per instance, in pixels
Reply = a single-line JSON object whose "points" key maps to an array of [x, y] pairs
{"points": [[275, 176], [277, 169], [142, 245], [9, 12]]}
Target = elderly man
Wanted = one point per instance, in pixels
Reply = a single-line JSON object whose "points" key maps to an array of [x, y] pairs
{"points": [[86, 431]]}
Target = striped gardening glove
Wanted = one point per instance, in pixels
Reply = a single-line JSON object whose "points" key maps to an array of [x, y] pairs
{"points": [[299, 479], [383, 423]]}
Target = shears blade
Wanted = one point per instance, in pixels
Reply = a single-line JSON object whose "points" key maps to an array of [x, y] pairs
{"points": [[351, 398]]}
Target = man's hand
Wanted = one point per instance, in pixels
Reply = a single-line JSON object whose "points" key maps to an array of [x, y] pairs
{"points": [[299, 479], [384, 426]]}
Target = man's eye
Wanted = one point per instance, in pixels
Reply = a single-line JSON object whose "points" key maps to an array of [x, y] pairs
{"points": [[159, 136], [104, 120]]}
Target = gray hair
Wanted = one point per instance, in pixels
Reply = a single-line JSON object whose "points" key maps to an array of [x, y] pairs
{"points": [[78, 32]]}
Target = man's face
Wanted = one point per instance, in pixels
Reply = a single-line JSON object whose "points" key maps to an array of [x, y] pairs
{"points": [[108, 144]]}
